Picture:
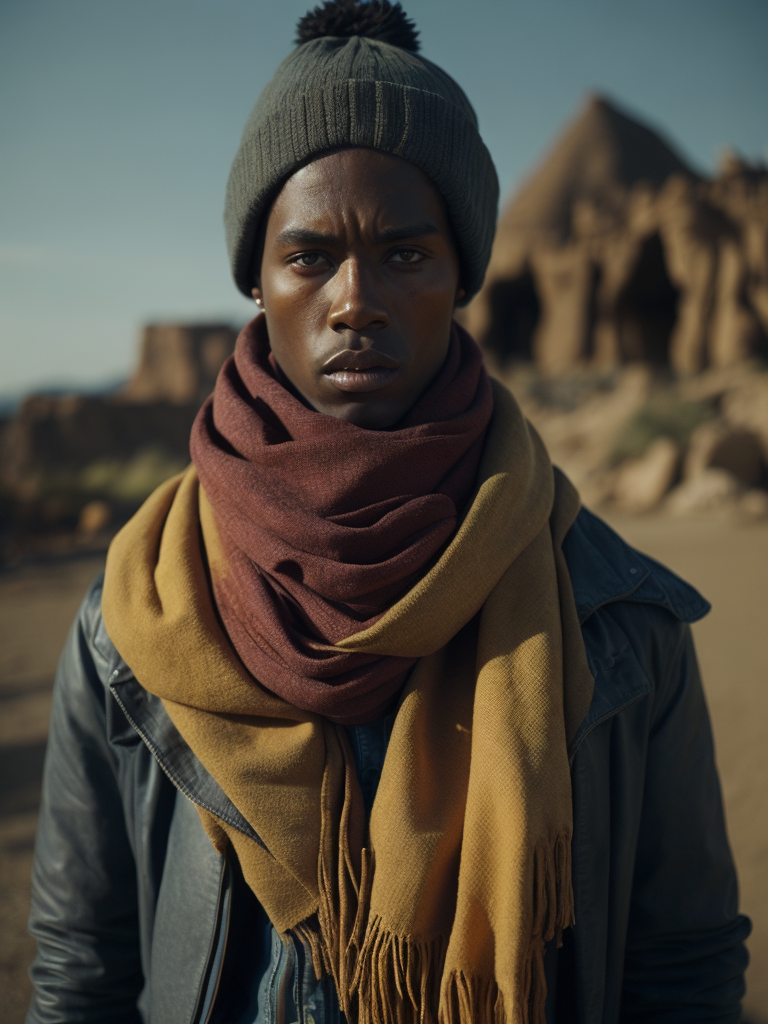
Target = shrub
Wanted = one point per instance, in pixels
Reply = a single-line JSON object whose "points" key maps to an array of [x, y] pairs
{"points": [[131, 480], [662, 416]]}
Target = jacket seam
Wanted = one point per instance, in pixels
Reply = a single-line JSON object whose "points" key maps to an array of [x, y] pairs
{"points": [[688, 617], [612, 713], [625, 596], [212, 950]]}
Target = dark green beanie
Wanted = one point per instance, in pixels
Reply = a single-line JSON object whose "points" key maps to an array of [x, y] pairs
{"points": [[333, 92]]}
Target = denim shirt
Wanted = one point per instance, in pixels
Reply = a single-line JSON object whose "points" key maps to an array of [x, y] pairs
{"points": [[269, 981]]}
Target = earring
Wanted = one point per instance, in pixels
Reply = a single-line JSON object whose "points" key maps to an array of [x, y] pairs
{"points": [[260, 303]]}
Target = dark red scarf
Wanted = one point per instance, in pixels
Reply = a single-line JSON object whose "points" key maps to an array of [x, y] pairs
{"points": [[325, 524]]}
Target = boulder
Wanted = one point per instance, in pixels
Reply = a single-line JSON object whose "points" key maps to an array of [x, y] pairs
{"points": [[711, 489], [754, 504], [718, 445], [642, 483], [747, 406]]}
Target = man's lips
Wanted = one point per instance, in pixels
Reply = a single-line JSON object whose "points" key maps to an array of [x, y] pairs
{"points": [[362, 359], [361, 371]]}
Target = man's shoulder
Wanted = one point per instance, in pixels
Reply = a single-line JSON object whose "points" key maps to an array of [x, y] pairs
{"points": [[103, 652], [604, 569], [634, 614]]}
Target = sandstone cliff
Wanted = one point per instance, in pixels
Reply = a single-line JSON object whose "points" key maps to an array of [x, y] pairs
{"points": [[615, 251], [179, 362], [86, 462]]}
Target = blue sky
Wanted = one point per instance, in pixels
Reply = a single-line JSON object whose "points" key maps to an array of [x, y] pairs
{"points": [[119, 119]]}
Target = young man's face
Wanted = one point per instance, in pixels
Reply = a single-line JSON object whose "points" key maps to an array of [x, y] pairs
{"points": [[359, 280]]}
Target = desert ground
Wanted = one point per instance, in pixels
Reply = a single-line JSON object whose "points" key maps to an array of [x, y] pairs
{"points": [[726, 560]]}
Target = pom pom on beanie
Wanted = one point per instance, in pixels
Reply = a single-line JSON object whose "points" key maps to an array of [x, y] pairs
{"points": [[376, 19]]}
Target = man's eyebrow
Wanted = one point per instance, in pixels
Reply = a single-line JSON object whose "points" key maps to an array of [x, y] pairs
{"points": [[306, 237], [411, 231], [302, 236]]}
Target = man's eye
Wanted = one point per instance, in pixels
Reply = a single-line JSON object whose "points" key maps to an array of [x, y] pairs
{"points": [[307, 259], [407, 256]]}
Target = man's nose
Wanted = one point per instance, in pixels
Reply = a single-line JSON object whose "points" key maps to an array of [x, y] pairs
{"points": [[356, 302]]}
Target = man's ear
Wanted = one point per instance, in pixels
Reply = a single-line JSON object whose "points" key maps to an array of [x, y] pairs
{"points": [[460, 293], [257, 296]]}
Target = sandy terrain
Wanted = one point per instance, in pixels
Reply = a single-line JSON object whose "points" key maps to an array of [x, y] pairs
{"points": [[37, 605], [728, 563]]}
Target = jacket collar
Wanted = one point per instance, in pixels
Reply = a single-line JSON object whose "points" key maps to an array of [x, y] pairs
{"points": [[604, 568]]}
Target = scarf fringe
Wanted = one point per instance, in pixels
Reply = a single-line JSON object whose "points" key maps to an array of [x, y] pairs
{"points": [[468, 1000], [385, 978], [552, 913], [552, 889], [397, 979]]}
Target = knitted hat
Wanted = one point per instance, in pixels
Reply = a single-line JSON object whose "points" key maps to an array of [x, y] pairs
{"points": [[355, 79]]}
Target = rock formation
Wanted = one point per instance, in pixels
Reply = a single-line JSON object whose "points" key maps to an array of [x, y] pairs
{"points": [[635, 441], [51, 436], [177, 370], [79, 462], [615, 251], [179, 362]]}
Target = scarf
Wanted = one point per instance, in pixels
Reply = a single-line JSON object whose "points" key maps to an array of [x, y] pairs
{"points": [[439, 911], [324, 524]]}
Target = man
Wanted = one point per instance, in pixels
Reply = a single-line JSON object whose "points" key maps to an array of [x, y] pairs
{"points": [[368, 719]]}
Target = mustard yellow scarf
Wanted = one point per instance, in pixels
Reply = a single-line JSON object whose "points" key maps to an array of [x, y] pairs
{"points": [[439, 910]]}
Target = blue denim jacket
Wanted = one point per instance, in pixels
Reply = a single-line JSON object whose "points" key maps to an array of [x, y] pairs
{"points": [[139, 920]]}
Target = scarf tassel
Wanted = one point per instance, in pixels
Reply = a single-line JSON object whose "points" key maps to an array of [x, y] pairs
{"points": [[552, 889], [385, 978], [397, 978], [552, 913]]}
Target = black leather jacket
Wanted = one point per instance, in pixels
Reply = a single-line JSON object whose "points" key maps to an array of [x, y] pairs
{"points": [[131, 904]]}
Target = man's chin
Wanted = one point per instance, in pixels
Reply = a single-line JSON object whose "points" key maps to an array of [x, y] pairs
{"points": [[367, 411]]}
